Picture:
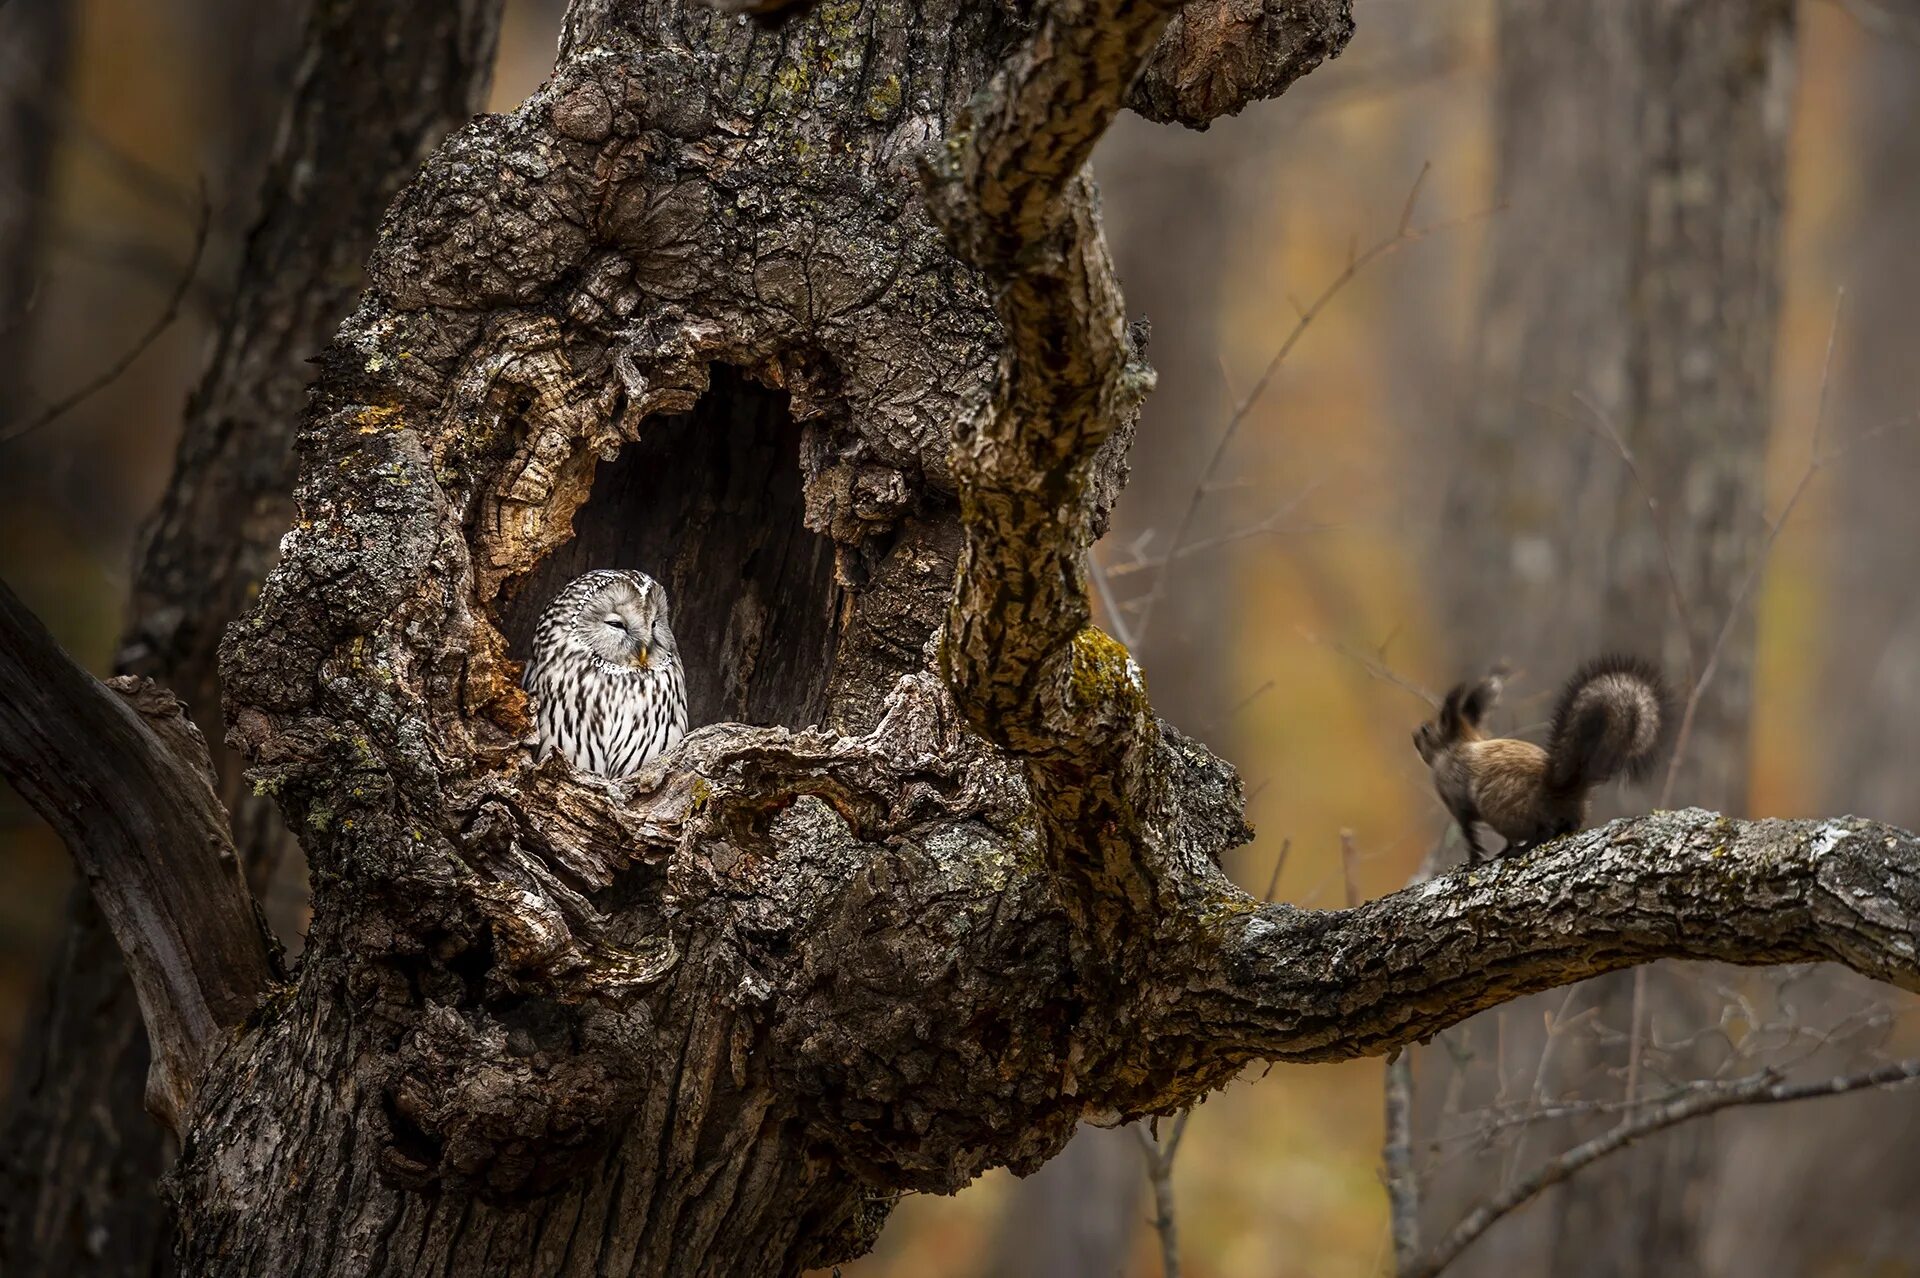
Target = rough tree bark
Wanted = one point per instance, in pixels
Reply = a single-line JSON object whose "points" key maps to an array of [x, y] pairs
{"points": [[959, 888], [854, 238], [377, 85], [1632, 288]]}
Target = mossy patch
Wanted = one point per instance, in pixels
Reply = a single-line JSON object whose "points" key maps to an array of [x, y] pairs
{"points": [[1104, 671]]}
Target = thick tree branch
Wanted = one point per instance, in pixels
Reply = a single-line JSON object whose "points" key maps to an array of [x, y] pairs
{"points": [[1299, 985], [1010, 160], [1033, 467], [122, 774]]}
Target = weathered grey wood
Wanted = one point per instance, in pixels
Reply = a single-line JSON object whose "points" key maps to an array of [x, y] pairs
{"points": [[123, 776]]}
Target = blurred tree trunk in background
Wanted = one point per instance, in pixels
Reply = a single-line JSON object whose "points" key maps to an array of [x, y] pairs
{"points": [[1873, 669], [1076, 1217], [35, 40], [1859, 1214], [378, 86], [1632, 286]]}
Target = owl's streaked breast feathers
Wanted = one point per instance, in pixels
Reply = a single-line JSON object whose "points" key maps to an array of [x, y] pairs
{"points": [[605, 677]]}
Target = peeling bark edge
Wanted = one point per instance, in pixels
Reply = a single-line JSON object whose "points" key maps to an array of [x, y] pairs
{"points": [[123, 776]]}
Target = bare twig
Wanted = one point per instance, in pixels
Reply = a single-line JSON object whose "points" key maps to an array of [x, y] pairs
{"points": [[1402, 1180], [1373, 665], [1403, 1186], [1347, 859], [1104, 587], [1761, 1089], [1638, 1017], [1676, 596], [1404, 234], [1253, 696], [1556, 1026], [1159, 1157], [1279, 864], [1268, 525], [59, 408]]}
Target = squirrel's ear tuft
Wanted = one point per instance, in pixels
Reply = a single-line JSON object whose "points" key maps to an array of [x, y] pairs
{"points": [[1477, 700], [1466, 704]]}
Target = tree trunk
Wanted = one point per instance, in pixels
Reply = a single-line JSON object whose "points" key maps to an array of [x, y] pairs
{"points": [[83, 1159], [1632, 288]]}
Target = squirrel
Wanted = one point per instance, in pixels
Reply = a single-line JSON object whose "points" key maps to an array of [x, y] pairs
{"points": [[1613, 716]]}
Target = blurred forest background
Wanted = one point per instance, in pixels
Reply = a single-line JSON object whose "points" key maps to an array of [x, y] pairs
{"points": [[1323, 556]]}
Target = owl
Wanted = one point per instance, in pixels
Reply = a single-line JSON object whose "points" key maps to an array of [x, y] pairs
{"points": [[608, 692]]}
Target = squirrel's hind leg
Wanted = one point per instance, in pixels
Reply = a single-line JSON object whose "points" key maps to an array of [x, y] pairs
{"points": [[1475, 853]]}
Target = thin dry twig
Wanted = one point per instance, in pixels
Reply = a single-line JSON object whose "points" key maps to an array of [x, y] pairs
{"points": [[1404, 234], [1348, 855], [1267, 525], [1115, 617], [1403, 1184], [1401, 1177], [1279, 864], [1373, 665], [1159, 1157], [1762, 1089], [1637, 1031], [106, 377], [1556, 1023]]}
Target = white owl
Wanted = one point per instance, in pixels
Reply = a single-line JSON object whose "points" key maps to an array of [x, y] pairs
{"points": [[605, 678]]}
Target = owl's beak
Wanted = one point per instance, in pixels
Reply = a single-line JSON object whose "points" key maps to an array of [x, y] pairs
{"points": [[640, 657]]}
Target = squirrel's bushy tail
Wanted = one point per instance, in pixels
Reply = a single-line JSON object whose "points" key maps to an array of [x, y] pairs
{"points": [[1613, 716]]}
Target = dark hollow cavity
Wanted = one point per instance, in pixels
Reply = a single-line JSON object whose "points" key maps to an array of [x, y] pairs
{"points": [[709, 504]]}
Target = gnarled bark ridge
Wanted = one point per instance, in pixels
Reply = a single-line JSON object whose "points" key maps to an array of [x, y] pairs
{"points": [[934, 884]]}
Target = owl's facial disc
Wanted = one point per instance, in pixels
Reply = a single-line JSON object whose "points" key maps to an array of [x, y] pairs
{"points": [[628, 628]]}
